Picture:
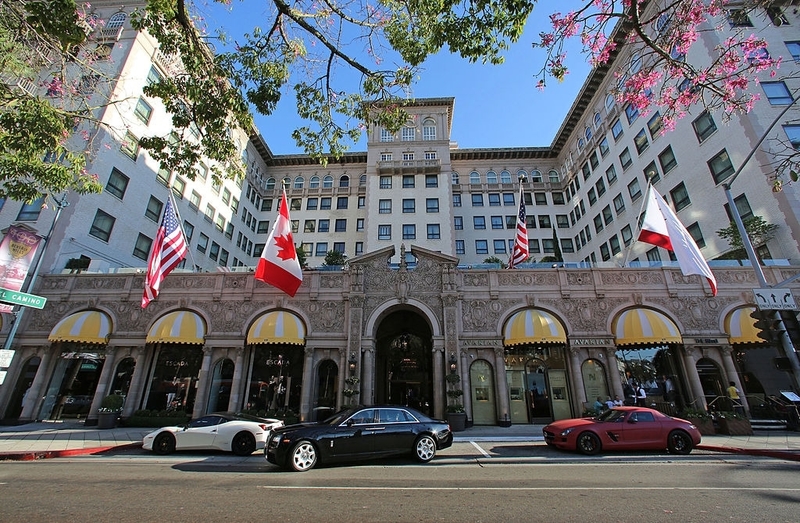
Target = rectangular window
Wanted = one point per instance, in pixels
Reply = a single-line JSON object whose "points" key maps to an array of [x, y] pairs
{"points": [[143, 111], [359, 248], [794, 50], [667, 159], [311, 204], [592, 196], [625, 158], [481, 247], [611, 175], [102, 225], [362, 202], [386, 182], [562, 221], [154, 207], [341, 202], [154, 76], [458, 223], [386, 136], [793, 134], [456, 200], [586, 170], [680, 197], [210, 213], [497, 222], [738, 18], [384, 206], [704, 126], [324, 225], [634, 190], [499, 246], [384, 232], [616, 130], [338, 247], [295, 204], [219, 222], [130, 146], [340, 225], [408, 181], [322, 249], [409, 206], [627, 235], [325, 204], [309, 226], [598, 223], [593, 161], [431, 180], [604, 253], [117, 183], [432, 205], [213, 253], [194, 200], [544, 221], [263, 226], [632, 113], [434, 231], [641, 141], [608, 216], [408, 134], [409, 232], [601, 187], [494, 200], [202, 243], [558, 198], [697, 235], [720, 166], [141, 248], [229, 231], [478, 222], [460, 248], [655, 124], [163, 176], [619, 204], [603, 147], [614, 243], [651, 173], [777, 93], [477, 200], [359, 224], [508, 199]]}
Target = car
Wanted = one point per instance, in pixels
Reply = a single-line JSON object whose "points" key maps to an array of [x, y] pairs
{"points": [[358, 433], [238, 433], [623, 428]]}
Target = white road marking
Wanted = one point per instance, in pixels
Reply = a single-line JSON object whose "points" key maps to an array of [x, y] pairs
{"points": [[526, 489], [485, 454]]}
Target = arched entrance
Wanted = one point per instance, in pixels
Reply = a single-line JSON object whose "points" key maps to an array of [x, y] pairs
{"points": [[404, 361], [713, 384]]}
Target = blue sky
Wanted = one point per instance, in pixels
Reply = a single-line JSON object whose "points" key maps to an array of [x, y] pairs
{"points": [[495, 106]]}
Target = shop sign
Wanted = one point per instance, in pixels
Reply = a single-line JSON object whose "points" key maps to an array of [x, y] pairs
{"points": [[590, 342], [704, 341], [481, 343]]}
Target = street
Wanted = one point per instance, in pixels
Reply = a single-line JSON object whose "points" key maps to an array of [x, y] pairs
{"points": [[470, 482]]}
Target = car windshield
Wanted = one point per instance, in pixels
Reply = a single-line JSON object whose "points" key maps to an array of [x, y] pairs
{"points": [[339, 417], [612, 415]]}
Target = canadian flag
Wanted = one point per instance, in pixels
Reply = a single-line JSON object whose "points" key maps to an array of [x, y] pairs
{"points": [[662, 228], [279, 265]]}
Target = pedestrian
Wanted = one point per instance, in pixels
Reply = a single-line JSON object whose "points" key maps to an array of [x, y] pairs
{"points": [[599, 406], [736, 400], [641, 396], [610, 403], [618, 402]]}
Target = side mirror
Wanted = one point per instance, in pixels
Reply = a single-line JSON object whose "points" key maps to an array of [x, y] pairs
{"points": [[633, 419]]}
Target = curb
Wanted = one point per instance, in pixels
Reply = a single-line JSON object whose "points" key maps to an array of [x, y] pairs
{"points": [[779, 454], [34, 455]]}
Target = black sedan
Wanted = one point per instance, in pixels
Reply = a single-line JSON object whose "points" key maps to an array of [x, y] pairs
{"points": [[358, 433]]}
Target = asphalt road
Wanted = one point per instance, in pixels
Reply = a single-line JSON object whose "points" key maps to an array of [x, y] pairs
{"points": [[483, 482]]}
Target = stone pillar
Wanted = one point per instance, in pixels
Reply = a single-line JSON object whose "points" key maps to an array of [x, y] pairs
{"points": [[368, 373], [438, 378], [235, 403], [733, 375], [308, 385], [579, 391], [699, 400], [504, 414], [138, 381], [613, 371], [103, 384], [201, 395], [466, 384], [34, 396]]}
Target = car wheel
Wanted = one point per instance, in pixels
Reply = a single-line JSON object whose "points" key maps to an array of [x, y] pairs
{"points": [[425, 449], [678, 442], [303, 456], [164, 444], [243, 444], [588, 443]]}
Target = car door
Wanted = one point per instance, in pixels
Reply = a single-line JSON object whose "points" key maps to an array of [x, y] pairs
{"points": [[394, 432], [353, 437], [199, 433], [641, 430]]}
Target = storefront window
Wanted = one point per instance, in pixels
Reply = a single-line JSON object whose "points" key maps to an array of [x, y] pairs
{"points": [[594, 382], [221, 380], [655, 369], [174, 379], [275, 379]]}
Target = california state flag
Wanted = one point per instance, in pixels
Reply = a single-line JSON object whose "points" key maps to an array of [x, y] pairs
{"points": [[279, 265], [662, 227]]}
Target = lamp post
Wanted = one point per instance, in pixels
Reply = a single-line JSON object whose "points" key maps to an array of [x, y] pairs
{"points": [[786, 341]]}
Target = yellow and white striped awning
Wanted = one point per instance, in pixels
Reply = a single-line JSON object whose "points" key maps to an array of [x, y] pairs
{"points": [[741, 327], [83, 327], [277, 327], [533, 326], [178, 327], [645, 326]]}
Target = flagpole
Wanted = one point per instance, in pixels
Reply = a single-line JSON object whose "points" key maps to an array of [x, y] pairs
{"points": [[638, 222]]}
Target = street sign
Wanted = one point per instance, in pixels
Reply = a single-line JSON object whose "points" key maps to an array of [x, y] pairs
{"points": [[774, 299], [21, 298]]}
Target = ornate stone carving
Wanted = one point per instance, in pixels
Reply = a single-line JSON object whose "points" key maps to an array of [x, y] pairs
{"points": [[527, 278], [475, 279]]}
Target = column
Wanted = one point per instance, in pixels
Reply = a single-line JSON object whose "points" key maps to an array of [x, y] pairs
{"points": [[502, 387], [613, 370], [699, 400], [579, 391], [138, 381], [307, 385], [466, 384], [103, 383], [201, 395], [438, 378], [34, 395], [368, 373], [237, 382], [733, 375]]}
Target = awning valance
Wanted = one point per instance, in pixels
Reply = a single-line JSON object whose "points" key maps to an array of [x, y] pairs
{"points": [[277, 327], [645, 326], [533, 326], [741, 327], [82, 327], [178, 327]]}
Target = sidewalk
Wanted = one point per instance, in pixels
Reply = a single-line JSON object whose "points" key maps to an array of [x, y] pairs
{"points": [[60, 439]]}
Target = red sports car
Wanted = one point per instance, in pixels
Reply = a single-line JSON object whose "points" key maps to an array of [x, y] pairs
{"points": [[623, 428]]}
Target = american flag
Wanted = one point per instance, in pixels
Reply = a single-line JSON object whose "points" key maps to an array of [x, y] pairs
{"points": [[520, 252], [169, 248]]}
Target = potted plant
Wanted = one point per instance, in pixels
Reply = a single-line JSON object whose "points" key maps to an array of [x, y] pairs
{"points": [[456, 416], [109, 410], [350, 390], [702, 420], [733, 424]]}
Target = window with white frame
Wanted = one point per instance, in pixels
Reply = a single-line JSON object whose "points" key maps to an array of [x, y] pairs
{"points": [[429, 129]]}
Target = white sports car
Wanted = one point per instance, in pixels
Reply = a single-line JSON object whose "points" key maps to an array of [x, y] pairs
{"points": [[237, 433]]}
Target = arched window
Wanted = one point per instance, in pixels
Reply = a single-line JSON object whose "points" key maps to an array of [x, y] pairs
{"points": [[362, 180], [610, 101], [588, 133], [522, 175], [327, 182], [116, 20], [454, 178], [287, 182], [299, 182], [505, 176], [429, 129], [314, 182], [554, 176], [270, 183], [597, 120], [580, 144], [474, 177], [636, 63], [344, 181], [536, 176], [491, 177]]}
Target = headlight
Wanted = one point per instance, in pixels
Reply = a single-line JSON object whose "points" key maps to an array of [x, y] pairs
{"points": [[567, 431], [276, 439]]}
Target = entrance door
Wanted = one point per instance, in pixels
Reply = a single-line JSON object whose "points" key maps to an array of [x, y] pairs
{"points": [[481, 380], [71, 388], [538, 391]]}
